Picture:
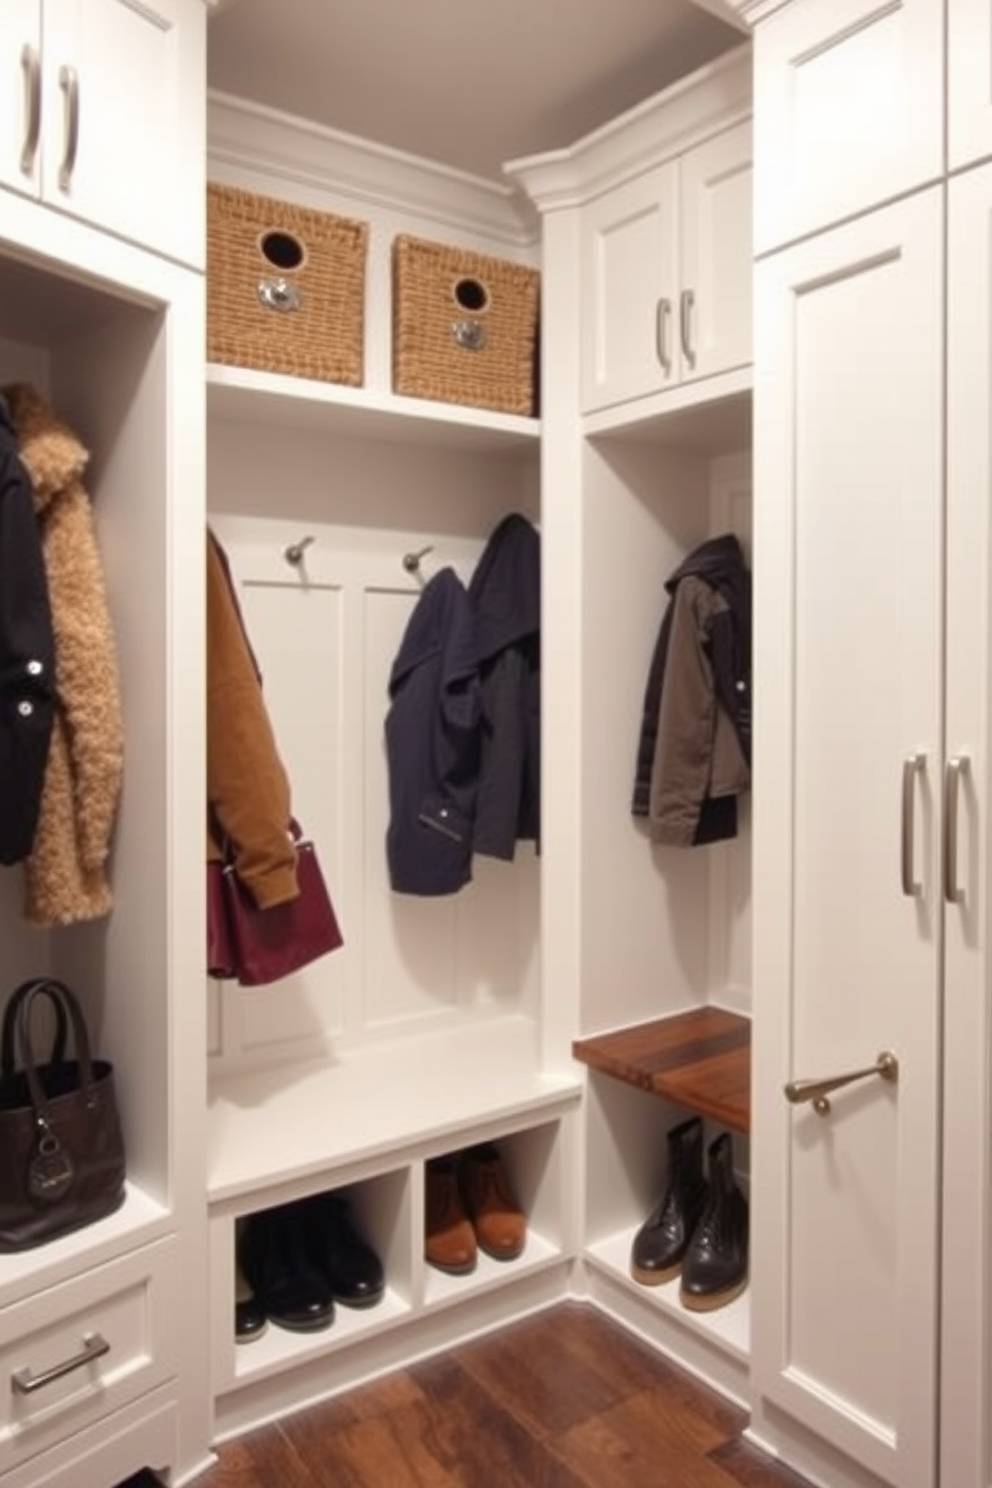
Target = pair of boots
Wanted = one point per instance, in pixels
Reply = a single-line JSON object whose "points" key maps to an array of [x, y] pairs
{"points": [[699, 1228], [469, 1205], [295, 1261]]}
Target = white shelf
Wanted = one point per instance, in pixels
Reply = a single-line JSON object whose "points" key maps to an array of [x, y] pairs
{"points": [[711, 416], [729, 1326], [279, 1348], [237, 394], [284, 1123]]}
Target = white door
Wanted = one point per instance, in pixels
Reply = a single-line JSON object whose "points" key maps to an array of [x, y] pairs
{"points": [[849, 110], [122, 141], [716, 259], [847, 901], [630, 290], [20, 95], [969, 81], [966, 1451]]}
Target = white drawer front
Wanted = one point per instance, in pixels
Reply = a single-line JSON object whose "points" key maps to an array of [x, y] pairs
{"points": [[130, 1306]]}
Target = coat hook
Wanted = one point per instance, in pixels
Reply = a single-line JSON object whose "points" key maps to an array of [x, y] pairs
{"points": [[411, 561], [294, 553]]}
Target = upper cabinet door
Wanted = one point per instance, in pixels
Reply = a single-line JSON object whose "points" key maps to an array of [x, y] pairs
{"points": [[20, 95], [847, 900], [630, 290], [969, 81], [848, 110], [717, 266], [123, 134]]}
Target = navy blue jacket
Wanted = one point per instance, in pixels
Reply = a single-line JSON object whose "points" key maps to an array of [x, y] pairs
{"points": [[27, 654], [432, 743], [505, 593]]}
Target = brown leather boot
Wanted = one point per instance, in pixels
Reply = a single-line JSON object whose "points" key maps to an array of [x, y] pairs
{"points": [[500, 1224], [449, 1239]]}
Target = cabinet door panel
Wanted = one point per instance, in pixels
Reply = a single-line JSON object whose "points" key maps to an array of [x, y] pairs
{"points": [[629, 277], [967, 1241], [848, 110], [20, 50], [848, 684], [716, 261], [140, 108], [969, 81]]}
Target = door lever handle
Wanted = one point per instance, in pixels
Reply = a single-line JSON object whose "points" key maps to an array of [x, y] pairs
{"points": [[817, 1091]]}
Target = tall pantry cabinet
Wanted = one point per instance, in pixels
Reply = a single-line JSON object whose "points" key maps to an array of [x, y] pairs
{"points": [[872, 1226], [101, 306]]}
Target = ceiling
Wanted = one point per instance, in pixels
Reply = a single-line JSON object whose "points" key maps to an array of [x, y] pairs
{"points": [[468, 88]]}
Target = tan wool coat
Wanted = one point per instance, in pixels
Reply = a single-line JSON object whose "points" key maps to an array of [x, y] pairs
{"points": [[66, 874], [248, 794]]}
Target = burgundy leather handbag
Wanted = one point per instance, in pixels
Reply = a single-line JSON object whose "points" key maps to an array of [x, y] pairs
{"points": [[257, 946]]}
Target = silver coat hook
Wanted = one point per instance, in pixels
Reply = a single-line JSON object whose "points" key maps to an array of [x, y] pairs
{"points": [[295, 552], [411, 561]]}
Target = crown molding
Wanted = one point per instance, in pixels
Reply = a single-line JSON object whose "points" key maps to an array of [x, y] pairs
{"points": [[284, 155], [712, 98]]}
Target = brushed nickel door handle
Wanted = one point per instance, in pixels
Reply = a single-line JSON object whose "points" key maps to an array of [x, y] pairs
{"points": [[662, 315], [687, 304], [912, 766], [953, 771], [25, 1381], [69, 83], [31, 71], [886, 1066]]}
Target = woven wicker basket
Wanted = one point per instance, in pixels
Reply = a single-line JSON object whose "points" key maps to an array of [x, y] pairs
{"points": [[464, 326], [285, 287]]}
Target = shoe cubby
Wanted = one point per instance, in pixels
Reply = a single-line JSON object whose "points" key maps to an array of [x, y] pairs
{"points": [[628, 1150], [519, 1175]]}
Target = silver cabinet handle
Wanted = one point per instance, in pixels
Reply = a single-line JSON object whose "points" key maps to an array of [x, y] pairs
{"points": [[31, 69], [686, 303], [25, 1382], [69, 83], [886, 1065], [912, 766], [663, 311], [953, 770]]}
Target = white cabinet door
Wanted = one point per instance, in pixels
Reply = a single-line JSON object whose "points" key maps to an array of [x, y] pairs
{"points": [[848, 110], [122, 134], [966, 1450], [716, 264], [630, 290], [847, 902], [969, 81], [20, 94]]}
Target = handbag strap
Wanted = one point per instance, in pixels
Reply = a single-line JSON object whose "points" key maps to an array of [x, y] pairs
{"points": [[51, 988], [59, 1035]]}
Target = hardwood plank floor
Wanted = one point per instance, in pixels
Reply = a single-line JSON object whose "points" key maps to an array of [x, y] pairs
{"points": [[566, 1399]]}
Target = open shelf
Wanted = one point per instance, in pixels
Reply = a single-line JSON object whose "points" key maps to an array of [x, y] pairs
{"points": [[699, 1059]]}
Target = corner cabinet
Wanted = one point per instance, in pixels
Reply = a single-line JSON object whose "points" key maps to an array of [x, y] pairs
{"points": [[100, 118], [111, 337], [666, 274]]}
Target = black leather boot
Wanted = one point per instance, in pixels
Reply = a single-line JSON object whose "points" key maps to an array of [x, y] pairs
{"points": [[714, 1270], [291, 1291], [661, 1242]]}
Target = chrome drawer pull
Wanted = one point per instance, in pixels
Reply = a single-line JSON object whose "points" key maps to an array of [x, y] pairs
{"points": [[24, 1382], [817, 1091]]}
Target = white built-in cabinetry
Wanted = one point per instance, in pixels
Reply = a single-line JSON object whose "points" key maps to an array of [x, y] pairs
{"points": [[95, 117], [666, 273], [634, 932], [871, 1259], [111, 335]]}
